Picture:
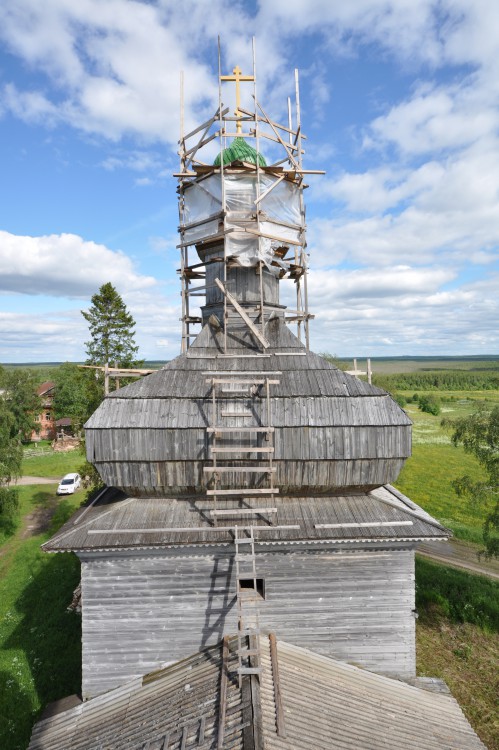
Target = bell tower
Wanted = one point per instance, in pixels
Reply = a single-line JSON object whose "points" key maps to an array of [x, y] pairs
{"points": [[244, 217]]}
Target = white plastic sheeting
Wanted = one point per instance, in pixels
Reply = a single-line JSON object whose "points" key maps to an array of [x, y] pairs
{"points": [[280, 214]]}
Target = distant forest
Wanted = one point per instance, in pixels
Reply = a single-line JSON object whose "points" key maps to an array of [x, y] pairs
{"points": [[445, 380]]}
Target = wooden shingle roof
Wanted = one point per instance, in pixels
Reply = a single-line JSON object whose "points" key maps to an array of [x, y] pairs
{"points": [[118, 522], [301, 700]]}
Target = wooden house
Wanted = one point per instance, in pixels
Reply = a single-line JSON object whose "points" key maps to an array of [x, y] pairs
{"points": [[249, 492], [45, 419]]}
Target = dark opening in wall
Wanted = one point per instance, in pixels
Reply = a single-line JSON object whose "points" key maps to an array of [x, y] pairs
{"points": [[248, 585]]}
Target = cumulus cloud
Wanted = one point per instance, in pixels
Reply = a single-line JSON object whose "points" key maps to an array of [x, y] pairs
{"points": [[59, 335], [63, 266], [424, 320], [404, 225], [114, 66]]}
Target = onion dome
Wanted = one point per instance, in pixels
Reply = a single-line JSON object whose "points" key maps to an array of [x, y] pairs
{"points": [[240, 150]]}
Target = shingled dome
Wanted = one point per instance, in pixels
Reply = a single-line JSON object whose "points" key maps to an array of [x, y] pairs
{"points": [[240, 150]]}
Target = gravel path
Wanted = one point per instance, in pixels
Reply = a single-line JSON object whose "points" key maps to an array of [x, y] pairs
{"points": [[37, 480], [459, 554]]}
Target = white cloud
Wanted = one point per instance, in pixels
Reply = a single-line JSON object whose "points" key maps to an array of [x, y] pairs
{"points": [[438, 118], [114, 66], [63, 266], [424, 321], [372, 283], [53, 336]]}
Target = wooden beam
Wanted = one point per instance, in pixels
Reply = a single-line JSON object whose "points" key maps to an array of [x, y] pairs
{"points": [[266, 192], [245, 491], [276, 124], [208, 123], [361, 525], [279, 713], [218, 529], [284, 241], [235, 304], [224, 678], [118, 371], [283, 143], [249, 469]]}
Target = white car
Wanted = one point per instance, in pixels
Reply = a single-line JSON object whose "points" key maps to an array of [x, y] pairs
{"points": [[69, 484]]}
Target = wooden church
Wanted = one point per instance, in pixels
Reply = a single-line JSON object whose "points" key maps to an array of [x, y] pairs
{"points": [[248, 574]]}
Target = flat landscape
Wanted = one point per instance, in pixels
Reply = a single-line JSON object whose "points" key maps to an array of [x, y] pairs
{"points": [[458, 626]]}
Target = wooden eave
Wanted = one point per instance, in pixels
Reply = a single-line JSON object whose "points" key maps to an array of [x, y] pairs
{"points": [[127, 522]]}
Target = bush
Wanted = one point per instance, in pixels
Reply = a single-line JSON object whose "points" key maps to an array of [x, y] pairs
{"points": [[429, 403], [401, 400], [457, 595], [9, 508]]}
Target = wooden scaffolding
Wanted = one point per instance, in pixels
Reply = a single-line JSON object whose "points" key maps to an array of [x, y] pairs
{"points": [[290, 255]]}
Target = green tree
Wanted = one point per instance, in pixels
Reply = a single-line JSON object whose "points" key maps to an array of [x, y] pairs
{"points": [[111, 329], [76, 394], [11, 454], [20, 386], [479, 434], [429, 403]]}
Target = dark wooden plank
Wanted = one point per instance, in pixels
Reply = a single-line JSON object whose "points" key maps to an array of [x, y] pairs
{"points": [[281, 727], [224, 676]]}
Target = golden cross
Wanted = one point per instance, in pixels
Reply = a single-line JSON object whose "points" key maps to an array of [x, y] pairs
{"points": [[237, 77]]}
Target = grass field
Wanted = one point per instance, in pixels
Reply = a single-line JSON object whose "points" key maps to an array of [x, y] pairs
{"points": [[391, 365], [426, 477], [457, 639], [466, 658], [52, 464], [40, 642]]}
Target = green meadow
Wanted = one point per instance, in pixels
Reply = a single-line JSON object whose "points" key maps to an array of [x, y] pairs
{"points": [[40, 641], [426, 477]]}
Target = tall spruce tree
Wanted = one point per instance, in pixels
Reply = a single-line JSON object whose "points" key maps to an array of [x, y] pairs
{"points": [[111, 328]]}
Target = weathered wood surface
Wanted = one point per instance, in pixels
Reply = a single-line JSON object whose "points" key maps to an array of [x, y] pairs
{"points": [[327, 704], [330, 429], [141, 612], [144, 523]]}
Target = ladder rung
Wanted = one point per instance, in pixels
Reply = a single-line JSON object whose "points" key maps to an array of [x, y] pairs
{"points": [[243, 540], [241, 381], [242, 450], [249, 492], [244, 558], [237, 414], [248, 631], [260, 469], [242, 511], [249, 670], [239, 429]]}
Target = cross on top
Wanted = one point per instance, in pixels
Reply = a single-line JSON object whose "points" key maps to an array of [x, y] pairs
{"points": [[237, 77]]}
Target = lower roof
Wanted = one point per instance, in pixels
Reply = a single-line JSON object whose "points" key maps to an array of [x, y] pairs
{"points": [[300, 700], [116, 521]]}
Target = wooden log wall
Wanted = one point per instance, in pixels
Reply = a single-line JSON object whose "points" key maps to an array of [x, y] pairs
{"points": [[141, 612]]}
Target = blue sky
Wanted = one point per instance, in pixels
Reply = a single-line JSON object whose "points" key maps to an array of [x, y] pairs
{"points": [[400, 106]]}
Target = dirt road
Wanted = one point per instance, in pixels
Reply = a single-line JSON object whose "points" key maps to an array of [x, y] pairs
{"points": [[459, 554], [37, 480]]}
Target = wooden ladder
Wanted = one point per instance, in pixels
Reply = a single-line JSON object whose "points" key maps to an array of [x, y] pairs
{"points": [[245, 398], [240, 388], [248, 611]]}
